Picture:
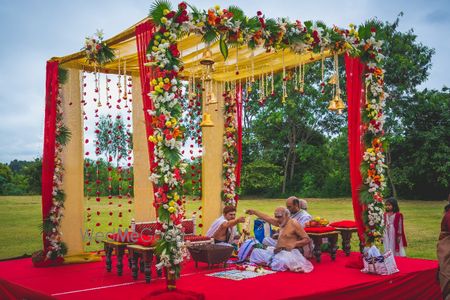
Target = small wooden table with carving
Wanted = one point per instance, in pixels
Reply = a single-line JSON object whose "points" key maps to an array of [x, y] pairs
{"points": [[346, 234], [119, 249], [317, 239], [137, 252]]}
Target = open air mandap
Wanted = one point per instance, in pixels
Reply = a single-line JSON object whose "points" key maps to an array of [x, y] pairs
{"points": [[180, 77]]}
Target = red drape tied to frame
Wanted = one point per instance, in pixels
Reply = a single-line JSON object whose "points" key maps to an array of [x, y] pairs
{"points": [[355, 94], [144, 33], [48, 159]]}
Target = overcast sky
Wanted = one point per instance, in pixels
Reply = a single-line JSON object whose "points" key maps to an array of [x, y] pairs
{"points": [[34, 31]]}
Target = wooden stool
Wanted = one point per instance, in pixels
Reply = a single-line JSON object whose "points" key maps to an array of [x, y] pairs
{"points": [[119, 249], [317, 239], [346, 234], [137, 252]]}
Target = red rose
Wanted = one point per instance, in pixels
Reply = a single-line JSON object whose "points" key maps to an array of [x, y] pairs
{"points": [[174, 50], [170, 15], [182, 6], [373, 29], [259, 13]]}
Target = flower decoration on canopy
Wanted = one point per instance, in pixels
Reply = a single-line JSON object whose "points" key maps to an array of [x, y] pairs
{"points": [[97, 51]]}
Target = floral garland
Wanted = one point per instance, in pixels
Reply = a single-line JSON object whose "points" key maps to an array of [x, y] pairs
{"points": [[373, 165], [229, 195], [96, 50], [230, 26], [167, 169], [56, 248]]}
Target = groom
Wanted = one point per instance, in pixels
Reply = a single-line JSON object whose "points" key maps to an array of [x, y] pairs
{"points": [[223, 229]]}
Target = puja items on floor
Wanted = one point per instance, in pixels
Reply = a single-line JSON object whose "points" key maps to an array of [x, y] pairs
{"points": [[375, 263]]}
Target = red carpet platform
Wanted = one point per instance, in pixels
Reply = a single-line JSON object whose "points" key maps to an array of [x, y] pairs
{"points": [[329, 280]]}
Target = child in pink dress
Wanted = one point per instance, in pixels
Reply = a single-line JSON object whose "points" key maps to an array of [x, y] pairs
{"points": [[394, 233]]}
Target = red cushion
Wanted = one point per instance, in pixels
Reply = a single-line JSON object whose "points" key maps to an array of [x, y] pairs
{"points": [[344, 224], [124, 236], [319, 229], [196, 238], [147, 240], [147, 228], [188, 226]]}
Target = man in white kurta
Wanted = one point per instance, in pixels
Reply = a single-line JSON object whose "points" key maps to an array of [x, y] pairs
{"points": [[285, 255]]}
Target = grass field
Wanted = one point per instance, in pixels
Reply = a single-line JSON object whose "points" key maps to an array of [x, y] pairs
{"points": [[20, 218]]}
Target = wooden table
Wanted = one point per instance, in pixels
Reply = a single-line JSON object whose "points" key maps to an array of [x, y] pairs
{"points": [[145, 254], [346, 234], [119, 249], [317, 239]]}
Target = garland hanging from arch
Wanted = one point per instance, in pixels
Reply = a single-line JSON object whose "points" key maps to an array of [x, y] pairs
{"points": [[231, 27], [230, 154]]}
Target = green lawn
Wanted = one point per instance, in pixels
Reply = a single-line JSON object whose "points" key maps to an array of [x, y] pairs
{"points": [[20, 219]]}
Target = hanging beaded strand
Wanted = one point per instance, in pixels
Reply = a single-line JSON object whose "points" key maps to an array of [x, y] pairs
{"points": [[322, 84], [272, 87], [284, 88], [302, 80]]}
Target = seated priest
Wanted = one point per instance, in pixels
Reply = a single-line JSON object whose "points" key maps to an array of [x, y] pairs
{"points": [[223, 230], [285, 255], [294, 205]]}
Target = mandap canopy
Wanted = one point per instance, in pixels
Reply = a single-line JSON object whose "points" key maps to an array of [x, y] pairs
{"points": [[228, 54]]}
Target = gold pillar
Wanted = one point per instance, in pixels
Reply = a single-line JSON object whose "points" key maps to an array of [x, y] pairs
{"points": [[72, 157], [212, 161], [143, 188]]}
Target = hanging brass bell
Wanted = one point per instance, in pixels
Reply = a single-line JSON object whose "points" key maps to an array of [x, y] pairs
{"points": [[207, 58], [340, 105], [211, 98], [332, 105], [206, 122], [333, 79]]}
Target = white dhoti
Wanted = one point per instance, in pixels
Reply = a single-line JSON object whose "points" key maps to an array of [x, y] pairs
{"points": [[307, 249], [268, 241], [284, 260]]}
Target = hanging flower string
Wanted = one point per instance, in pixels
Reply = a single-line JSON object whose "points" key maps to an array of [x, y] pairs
{"points": [[230, 155]]}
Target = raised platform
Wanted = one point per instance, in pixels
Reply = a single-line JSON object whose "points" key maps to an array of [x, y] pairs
{"points": [[329, 280]]}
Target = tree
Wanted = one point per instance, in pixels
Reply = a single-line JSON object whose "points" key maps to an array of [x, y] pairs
{"points": [[33, 173], [421, 155], [5, 177], [114, 140]]}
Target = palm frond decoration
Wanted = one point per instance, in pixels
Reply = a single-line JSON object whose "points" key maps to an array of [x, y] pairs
{"points": [[210, 36], [238, 14], [157, 10], [64, 135]]}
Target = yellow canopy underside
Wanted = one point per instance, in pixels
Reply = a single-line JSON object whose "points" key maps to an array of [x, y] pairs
{"points": [[192, 48]]}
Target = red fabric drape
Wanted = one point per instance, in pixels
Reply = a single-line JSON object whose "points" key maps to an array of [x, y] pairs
{"points": [[239, 132], [355, 94], [48, 159], [144, 33]]}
